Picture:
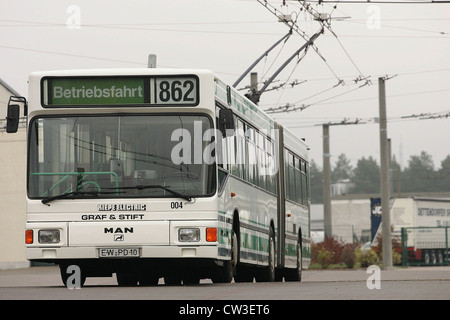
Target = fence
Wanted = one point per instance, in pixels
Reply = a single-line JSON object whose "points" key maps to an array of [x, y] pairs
{"points": [[425, 246]]}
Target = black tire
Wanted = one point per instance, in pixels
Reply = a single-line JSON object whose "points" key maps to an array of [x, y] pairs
{"points": [[440, 257], [433, 257], [295, 274], [243, 274], [126, 279], [225, 273], [267, 274], [147, 279], [191, 280], [426, 257], [172, 281]]}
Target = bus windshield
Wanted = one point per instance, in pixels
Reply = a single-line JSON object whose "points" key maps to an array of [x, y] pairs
{"points": [[120, 156]]}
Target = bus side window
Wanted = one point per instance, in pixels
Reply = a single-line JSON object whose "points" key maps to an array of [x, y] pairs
{"points": [[240, 147], [262, 160], [271, 185], [298, 180], [305, 183], [232, 145], [252, 158], [221, 146]]}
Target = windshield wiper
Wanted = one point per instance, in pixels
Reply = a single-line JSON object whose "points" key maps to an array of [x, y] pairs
{"points": [[157, 186], [74, 193], [96, 193]]}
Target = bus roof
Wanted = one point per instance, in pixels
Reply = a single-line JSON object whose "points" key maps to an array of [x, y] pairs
{"points": [[118, 72]]}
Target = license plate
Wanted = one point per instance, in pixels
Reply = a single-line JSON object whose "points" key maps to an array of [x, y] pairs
{"points": [[118, 252]]}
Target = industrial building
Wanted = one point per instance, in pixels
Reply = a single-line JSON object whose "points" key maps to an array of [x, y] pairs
{"points": [[12, 188]]}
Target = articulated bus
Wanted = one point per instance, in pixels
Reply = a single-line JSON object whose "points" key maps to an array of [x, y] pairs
{"points": [[152, 173]]}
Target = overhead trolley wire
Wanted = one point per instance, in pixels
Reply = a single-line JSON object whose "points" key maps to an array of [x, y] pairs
{"points": [[379, 1]]}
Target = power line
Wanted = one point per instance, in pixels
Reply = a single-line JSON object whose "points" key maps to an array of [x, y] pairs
{"points": [[378, 1], [25, 23], [129, 27], [325, 21], [404, 28], [284, 38], [69, 54], [293, 26], [375, 120], [428, 115], [323, 102], [352, 77], [290, 108]]}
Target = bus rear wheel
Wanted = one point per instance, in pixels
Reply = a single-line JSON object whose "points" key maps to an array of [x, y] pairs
{"points": [[267, 274], [295, 274]]}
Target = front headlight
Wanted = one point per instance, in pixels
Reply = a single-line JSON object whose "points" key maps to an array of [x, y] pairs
{"points": [[48, 236], [189, 235]]}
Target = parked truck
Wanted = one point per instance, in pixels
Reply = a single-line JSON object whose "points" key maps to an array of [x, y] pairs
{"points": [[423, 226]]}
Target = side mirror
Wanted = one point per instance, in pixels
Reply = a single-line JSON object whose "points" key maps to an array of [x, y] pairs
{"points": [[13, 115], [12, 118], [226, 121]]}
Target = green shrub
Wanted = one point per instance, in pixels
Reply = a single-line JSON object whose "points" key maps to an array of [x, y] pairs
{"points": [[396, 258], [367, 258], [324, 257]]}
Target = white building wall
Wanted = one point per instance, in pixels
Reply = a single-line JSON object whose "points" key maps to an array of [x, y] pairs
{"points": [[12, 191], [350, 218]]}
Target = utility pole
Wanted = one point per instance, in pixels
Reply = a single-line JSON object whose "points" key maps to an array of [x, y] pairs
{"points": [[327, 173], [326, 181], [384, 159]]}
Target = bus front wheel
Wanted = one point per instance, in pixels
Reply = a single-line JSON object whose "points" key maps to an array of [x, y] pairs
{"points": [[225, 273]]}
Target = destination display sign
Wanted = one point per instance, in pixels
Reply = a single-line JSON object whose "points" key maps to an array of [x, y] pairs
{"points": [[120, 90]]}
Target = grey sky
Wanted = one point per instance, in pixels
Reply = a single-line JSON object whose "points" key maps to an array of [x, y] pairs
{"points": [[226, 36]]}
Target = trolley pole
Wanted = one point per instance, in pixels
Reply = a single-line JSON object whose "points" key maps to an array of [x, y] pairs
{"points": [[254, 83], [384, 160], [326, 181]]}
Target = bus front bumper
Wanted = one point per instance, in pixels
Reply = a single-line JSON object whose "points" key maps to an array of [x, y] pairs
{"points": [[126, 252]]}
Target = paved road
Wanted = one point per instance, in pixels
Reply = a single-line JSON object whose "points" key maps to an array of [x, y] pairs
{"points": [[413, 283]]}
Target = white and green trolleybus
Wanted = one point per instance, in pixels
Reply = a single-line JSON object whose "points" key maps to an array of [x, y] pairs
{"points": [[148, 173]]}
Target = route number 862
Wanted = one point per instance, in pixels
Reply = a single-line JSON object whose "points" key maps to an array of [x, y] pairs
{"points": [[176, 91]]}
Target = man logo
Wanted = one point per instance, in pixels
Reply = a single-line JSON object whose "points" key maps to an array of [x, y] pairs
{"points": [[119, 232], [118, 237]]}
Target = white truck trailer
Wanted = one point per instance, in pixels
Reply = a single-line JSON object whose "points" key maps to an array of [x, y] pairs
{"points": [[423, 225]]}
